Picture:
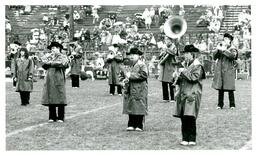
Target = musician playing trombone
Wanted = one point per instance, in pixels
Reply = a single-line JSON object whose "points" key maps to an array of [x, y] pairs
{"points": [[167, 58]]}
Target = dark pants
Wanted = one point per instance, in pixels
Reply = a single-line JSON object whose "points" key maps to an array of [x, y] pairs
{"points": [[136, 121], [25, 97], [112, 89], [188, 128], [53, 113], [14, 82], [166, 92], [231, 98], [75, 80]]}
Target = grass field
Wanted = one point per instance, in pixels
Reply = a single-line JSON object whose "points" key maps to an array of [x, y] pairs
{"points": [[94, 121]]}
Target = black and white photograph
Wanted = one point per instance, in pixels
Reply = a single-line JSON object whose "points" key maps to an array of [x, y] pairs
{"points": [[127, 76]]}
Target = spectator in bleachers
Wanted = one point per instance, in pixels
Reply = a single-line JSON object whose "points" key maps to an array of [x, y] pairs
{"points": [[243, 17], [156, 17], [182, 11], [45, 19], [77, 34], [88, 10], [202, 46], [95, 15], [209, 44], [152, 13], [113, 17], [66, 23], [87, 39], [214, 24], [196, 43], [95, 37], [76, 16], [27, 9], [147, 17], [8, 27]]}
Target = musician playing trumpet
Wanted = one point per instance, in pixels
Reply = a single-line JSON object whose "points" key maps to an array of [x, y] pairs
{"points": [[225, 70], [54, 92], [167, 58], [114, 59], [75, 55], [188, 96]]}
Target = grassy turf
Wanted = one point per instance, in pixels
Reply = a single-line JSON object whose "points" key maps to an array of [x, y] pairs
{"points": [[105, 129]]}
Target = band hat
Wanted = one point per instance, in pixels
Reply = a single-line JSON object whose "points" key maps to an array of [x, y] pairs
{"points": [[17, 43], [134, 51], [190, 48], [227, 35], [55, 44]]}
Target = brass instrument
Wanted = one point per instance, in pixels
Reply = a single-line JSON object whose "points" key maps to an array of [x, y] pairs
{"points": [[175, 27], [166, 55], [47, 57]]}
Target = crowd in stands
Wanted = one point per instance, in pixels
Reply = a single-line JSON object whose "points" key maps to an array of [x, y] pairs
{"points": [[212, 18]]}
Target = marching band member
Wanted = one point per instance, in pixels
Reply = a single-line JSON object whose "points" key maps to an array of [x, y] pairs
{"points": [[75, 62], [134, 80], [188, 96], [15, 47], [225, 70], [114, 59], [54, 93], [167, 58], [23, 75]]}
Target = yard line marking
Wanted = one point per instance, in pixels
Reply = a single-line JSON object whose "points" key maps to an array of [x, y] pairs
{"points": [[70, 117]]}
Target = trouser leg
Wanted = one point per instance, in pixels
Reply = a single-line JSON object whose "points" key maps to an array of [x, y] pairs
{"points": [[52, 112], [191, 121], [231, 98], [139, 121], [61, 112], [72, 80], [165, 91], [131, 121], [221, 98], [76, 80], [112, 89], [119, 89], [184, 129], [26, 97], [171, 87], [22, 98]]}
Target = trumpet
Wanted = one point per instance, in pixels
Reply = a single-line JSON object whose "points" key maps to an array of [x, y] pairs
{"points": [[47, 57]]}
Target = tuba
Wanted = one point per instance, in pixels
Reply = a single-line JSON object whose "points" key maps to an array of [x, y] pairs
{"points": [[175, 27]]}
